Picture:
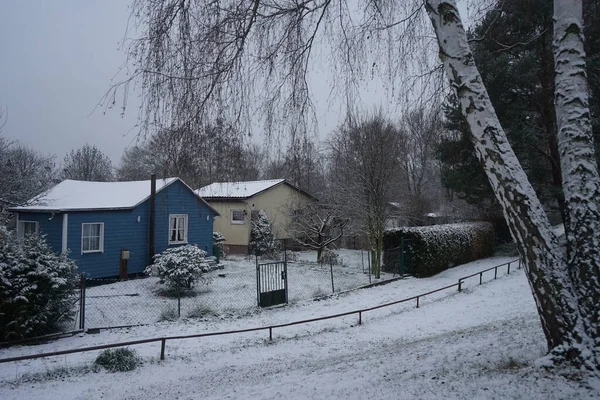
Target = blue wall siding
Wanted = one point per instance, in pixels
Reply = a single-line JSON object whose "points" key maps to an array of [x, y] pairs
{"points": [[50, 226], [122, 230], [177, 199]]}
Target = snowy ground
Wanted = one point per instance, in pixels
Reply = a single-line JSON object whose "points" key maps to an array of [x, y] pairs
{"points": [[480, 344], [229, 291]]}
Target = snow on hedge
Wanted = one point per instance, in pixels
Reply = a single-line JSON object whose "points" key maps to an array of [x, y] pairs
{"points": [[432, 249]]}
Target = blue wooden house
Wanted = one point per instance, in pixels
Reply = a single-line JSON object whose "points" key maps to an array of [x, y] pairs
{"points": [[105, 226]]}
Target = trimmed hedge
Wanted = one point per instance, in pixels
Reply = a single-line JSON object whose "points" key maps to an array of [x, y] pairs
{"points": [[433, 249]]}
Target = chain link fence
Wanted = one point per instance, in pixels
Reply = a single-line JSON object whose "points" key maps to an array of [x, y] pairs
{"points": [[230, 289]]}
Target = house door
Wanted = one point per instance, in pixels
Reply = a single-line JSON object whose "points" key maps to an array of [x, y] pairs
{"points": [[271, 282]]}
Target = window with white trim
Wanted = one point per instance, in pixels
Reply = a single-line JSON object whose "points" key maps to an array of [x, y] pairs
{"points": [[92, 237], [27, 228], [238, 217], [178, 228]]}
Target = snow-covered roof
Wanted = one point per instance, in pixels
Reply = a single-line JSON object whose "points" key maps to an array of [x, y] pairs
{"points": [[240, 190], [72, 195]]}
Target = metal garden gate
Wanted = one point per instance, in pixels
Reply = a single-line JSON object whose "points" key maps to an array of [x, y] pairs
{"points": [[271, 283]]}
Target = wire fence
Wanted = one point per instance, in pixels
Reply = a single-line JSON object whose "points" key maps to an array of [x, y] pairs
{"points": [[230, 288]]}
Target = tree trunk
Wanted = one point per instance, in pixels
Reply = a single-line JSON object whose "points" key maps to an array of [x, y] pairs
{"points": [[545, 262], [581, 183]]}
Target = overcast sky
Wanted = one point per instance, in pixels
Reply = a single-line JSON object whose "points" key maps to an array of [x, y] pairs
{"points": [[58, 59]]}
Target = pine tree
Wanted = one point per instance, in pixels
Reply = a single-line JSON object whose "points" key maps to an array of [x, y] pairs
{"points": [[262, 241]]}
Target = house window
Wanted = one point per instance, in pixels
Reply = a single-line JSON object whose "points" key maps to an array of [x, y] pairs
{"points": [[27, 228], [238, 217], [178, 228], [92, 237]]}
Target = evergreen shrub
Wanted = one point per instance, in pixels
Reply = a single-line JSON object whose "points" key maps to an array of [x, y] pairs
{"points": [[37, 287]]}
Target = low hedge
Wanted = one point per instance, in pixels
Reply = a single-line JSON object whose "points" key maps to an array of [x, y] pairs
{"points": [[433, 249]]}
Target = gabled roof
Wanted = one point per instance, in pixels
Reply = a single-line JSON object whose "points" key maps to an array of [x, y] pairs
{"points": [[241, 190], [70, 195]]}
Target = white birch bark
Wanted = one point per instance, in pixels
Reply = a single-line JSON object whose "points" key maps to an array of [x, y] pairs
{"points": [[581, 183], [545, 261]]}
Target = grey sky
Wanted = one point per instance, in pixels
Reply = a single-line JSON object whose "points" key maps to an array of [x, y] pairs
{"points": [[58, 58]]}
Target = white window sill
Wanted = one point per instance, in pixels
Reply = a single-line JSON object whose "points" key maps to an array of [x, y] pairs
{"points": [[238, 223], [170, 243], [91, 251]]}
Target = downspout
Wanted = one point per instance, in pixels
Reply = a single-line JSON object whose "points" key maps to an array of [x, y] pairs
{"points": [[65, 232], [152, 218]]}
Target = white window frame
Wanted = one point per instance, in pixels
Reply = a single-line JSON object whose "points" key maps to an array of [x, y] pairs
{"points": [[21, 227], [100, 241], [178, 217], [234, 222]]}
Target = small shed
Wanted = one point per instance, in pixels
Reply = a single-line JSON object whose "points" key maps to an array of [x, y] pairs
{"points": [[101, 223]]}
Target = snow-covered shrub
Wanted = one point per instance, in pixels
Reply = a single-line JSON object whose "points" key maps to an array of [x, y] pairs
{"points": [[118, 360], [37, 287], [262, 241], [433, 249], [179, 267], [219, 241], [218, 238]]}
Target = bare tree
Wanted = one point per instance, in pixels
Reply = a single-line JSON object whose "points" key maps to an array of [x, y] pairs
{"points": [[420, 189], [364, 165], [302, 164], [196, 56], [24, 174], [215, 153], [317, 226], [87, 164]]}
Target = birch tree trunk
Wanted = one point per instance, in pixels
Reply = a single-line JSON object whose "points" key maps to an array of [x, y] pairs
{"points": [[565, 312]]}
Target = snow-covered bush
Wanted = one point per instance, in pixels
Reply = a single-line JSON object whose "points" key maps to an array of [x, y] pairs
{"points": [[179, 267], [218, 238], [262, 241], [37, 287], [118, 360], [433, 249], [219, 241]]}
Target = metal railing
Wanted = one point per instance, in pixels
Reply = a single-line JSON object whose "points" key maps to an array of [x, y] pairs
{"points": [[270, 328]]}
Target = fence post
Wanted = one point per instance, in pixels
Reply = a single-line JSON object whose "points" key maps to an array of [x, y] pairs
{"points": [[508, 271], [495, 272], [480, 277], [82, 302], [459, 285], [178, 305], [162, 348], [417, 301], [331, 270], [360, 317], [270, 333]]}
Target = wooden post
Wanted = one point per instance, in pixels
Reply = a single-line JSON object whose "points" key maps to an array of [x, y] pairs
{"points": [[417, 301], [152, 223], [360, 317], [459, 285], [162, 348]]}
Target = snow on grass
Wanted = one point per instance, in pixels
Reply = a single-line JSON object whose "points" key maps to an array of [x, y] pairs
{"points": [[230, 291], [480, 343]]}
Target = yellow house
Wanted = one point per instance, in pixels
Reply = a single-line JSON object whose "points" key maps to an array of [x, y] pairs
{"points": [[236, 202]]}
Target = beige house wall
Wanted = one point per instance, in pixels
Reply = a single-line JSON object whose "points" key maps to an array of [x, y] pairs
{"points": [[235, 234], [277, 202]]}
